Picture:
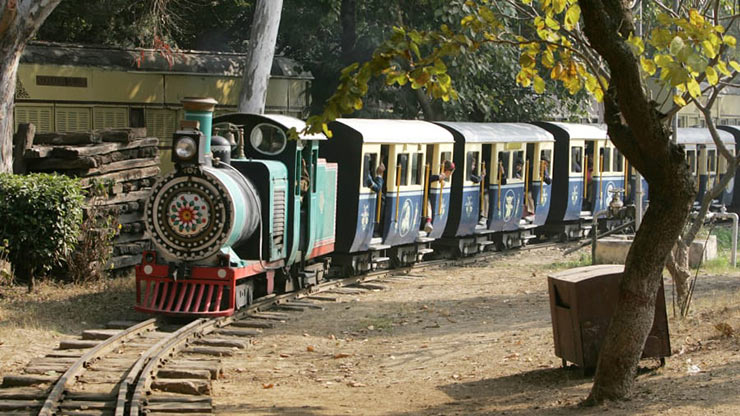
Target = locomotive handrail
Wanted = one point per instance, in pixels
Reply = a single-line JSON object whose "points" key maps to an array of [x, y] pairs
{"points": [[104, 347]]}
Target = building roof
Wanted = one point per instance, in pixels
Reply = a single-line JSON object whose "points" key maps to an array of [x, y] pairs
{"points": [[125, 59]]}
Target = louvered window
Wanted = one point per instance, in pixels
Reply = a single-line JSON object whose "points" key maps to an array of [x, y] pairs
{"points": [[71, 119], [161, 124], [278, 218], [38, 115], [110, 117]]}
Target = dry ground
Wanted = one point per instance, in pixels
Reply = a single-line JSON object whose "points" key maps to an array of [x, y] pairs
{"points": [[470, 341], [459, 341]]}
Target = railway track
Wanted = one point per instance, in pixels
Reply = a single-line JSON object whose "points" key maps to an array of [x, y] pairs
{"points": [[156, 368]]}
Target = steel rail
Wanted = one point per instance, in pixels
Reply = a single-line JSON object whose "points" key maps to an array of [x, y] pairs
{"points": [[153, 357], [144, 370], [55, 396]]}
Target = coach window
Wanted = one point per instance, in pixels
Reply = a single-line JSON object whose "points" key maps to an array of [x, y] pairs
{"points": [[403, 160], [576, 159], [606, 154], [691, 159], [472, 160], [416, 168], [618, 165], [518, 171], [444, 156], [711, 160], [503, 166]]}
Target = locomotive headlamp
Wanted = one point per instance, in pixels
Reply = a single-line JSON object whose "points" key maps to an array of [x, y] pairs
{"points": [[185, 148]]}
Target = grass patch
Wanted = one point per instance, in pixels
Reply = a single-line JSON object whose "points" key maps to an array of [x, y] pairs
{"points": [[67, 309], [581, 259]]}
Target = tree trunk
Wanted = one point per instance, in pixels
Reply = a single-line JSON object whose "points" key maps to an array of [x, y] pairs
{"points": [[262, 41], [645, 142], [348, 19], [19, 21], [678, 267]]}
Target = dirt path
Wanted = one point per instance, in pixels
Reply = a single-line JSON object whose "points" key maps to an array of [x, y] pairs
{"points": [[469, 341]]}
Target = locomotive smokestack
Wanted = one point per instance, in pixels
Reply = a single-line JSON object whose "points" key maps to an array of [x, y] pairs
{"points": [[201, 110]]}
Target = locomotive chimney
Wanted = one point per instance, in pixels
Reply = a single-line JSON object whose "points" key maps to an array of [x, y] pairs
{"points": [[201, 110]]}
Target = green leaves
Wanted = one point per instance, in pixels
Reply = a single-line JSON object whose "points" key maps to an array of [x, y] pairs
{"points": [[39, 204]]}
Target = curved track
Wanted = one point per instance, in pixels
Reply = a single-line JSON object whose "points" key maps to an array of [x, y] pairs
{"points": [[116, 374]]}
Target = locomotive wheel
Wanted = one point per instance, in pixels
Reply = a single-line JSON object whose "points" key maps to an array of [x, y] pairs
{"points": [[250, 292]]}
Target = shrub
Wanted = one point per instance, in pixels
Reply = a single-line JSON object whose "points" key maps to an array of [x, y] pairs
{"points": [[40, 216]]}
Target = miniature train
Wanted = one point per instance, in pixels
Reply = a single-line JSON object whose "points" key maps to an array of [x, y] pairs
{"points": [[283, 212]]}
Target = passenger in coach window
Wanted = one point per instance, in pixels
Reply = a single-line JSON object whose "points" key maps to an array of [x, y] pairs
{"points": [[448, 167]]}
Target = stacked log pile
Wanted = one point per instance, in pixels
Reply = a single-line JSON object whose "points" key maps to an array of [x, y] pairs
{"points": [[123, 162]]}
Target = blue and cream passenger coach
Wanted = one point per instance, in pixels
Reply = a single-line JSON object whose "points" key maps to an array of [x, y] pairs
{"points": [[515, 158], [411, 151]]}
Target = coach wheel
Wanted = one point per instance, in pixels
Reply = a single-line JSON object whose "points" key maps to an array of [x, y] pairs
{"points": [[563, 237]]}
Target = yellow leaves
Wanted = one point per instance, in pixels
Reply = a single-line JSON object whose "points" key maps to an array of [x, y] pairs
{"points": [[638, 47], [648, 65], [695, 18], [693, 88], [723, 68], [552, 23], [325, 129], [730, 40], [679, 100], [557, 71], [712, 76], [676, 45], [572, 16], [708, 49], [539, 84], [735, 65]]}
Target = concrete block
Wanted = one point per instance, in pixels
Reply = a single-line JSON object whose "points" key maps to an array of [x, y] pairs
{"points": [[696, 257], [611, 250]]}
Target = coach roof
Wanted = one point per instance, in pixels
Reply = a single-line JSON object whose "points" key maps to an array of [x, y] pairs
{"points": [[498, 132], [397, 131]]}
